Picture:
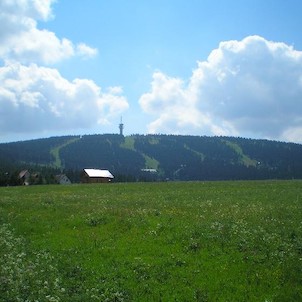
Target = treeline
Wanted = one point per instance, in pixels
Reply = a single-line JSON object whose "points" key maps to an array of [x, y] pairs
{"points": [[33, 151], [219, 158], [188, 157], [173, 157], [102, 152], [274, 159], [10, 175]]}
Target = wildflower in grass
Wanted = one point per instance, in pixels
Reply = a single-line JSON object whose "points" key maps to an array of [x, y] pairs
{"points": [[26, 277]]}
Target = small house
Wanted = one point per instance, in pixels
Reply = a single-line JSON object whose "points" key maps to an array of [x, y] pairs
{"points": [[24, 177], [62, 179], [96, 176]]}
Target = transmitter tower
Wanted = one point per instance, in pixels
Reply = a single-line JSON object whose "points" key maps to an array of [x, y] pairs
{"points": [[121, 127]]}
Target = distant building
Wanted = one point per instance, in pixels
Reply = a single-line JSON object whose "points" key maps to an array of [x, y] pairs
{"points": [[96, 176], [62, 179], [24, 177], [149, 170], [148, 174]]}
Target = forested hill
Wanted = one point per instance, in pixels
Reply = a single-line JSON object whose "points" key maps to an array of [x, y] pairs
{"points": [[173, 157]]}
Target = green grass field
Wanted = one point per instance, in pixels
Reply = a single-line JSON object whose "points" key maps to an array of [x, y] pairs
{"points": [[185, 241]]}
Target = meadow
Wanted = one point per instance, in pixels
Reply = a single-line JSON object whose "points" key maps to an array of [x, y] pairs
{"points": [[173, 241]]}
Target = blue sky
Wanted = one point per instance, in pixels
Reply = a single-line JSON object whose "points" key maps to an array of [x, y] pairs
{"points": [[180, 67]]}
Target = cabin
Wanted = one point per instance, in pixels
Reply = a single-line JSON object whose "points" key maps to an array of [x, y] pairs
{"points": [[96, 176], [62, 179], [24, 177]]}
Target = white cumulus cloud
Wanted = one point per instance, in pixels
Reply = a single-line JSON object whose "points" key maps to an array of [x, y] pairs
{"points": [[251, 88], [22, 40], [34, 98], [86, 51]]}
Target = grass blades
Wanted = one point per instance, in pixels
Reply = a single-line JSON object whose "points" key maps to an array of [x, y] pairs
{"points": [[185, 241]]}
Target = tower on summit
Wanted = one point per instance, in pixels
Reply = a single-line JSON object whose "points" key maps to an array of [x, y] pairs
{"points": [[121, 126]]}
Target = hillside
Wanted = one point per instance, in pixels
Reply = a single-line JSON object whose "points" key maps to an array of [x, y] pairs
{"points": [[173, 157]]}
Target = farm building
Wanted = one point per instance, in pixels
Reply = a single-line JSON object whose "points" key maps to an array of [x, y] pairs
{"points": [[62, 179], [96, 176], [24, 177], [149, 170]]}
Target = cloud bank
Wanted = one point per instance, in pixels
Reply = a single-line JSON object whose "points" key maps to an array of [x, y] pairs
{"points": [[38, 98], [23, 41], [249, 88], [35, 97]]}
